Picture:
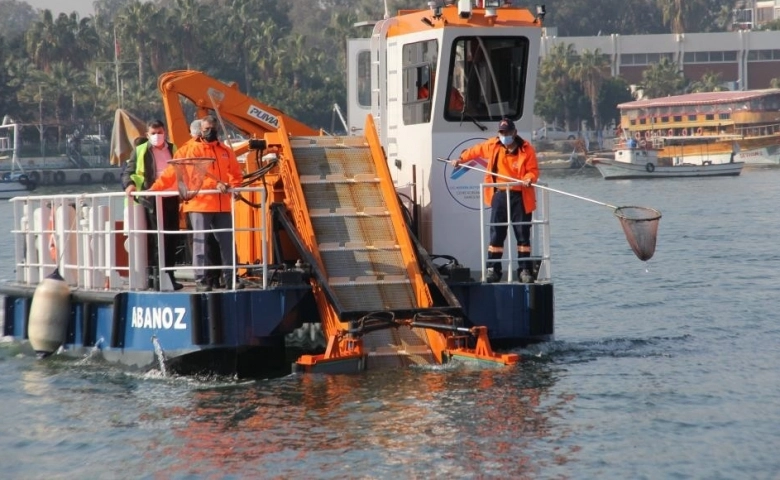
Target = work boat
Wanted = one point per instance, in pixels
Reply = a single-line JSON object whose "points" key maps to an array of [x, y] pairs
{"points": [[667, 157], [366, 241]]}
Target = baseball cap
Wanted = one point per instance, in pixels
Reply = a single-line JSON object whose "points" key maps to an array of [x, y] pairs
{"points": [[506, 125]]}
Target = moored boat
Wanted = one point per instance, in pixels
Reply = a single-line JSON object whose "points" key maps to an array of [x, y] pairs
{"points": [[664, 158]]}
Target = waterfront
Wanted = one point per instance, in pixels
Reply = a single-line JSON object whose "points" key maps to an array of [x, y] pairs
{"points": [[664, 370]]}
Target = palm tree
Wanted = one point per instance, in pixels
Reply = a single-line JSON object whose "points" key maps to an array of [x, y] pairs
{"points": [[709, 82], [662, 79], [41, 41], [591, 70], [133, 23], [554, 74]]}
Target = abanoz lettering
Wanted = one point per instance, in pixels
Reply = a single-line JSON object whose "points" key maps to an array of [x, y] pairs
{"points": [[263, 116], [158, 318]]}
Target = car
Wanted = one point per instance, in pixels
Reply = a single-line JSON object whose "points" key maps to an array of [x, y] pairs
{"points": [[553, 132]]}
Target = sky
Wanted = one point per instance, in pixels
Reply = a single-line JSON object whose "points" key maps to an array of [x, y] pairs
{"points": [[83, 7]]}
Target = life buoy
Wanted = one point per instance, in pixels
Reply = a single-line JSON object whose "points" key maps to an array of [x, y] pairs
{"points": [[699, 132], [108, 178], [671, 132], [647, 135], [637, 135], [35, 177], [650, 167], [642, 143], [684, 132], [23, 179], [85, 179], [59, 177]]}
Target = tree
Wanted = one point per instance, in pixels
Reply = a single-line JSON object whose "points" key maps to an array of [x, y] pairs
{"points": [[15, 18], [709, 82], [614, 91], [554, 84], [662, 79], [591, 70], [775, 82], [683, 16]]}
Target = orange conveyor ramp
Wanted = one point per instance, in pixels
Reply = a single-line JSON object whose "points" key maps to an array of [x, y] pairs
{"points": [[344, 206]]}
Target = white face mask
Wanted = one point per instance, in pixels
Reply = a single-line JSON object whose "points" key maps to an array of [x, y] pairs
{"points": [[506, 140], [157, 139]]}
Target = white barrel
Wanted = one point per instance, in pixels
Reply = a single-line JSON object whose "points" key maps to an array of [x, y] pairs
{"points": [[49, 312], [67, 243], [136, 245]]}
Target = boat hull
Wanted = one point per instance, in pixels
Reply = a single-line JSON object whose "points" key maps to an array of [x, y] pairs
{"points": [[614, 170], [248, 333]]}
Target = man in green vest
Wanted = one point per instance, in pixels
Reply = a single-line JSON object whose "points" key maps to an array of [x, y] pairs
{"points": [[146, 164]]}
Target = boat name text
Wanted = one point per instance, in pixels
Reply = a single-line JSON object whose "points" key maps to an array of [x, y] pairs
{"points": [[163, 318], [263, 116]]}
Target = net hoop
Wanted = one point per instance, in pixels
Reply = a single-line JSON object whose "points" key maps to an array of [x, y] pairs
{"points": [[640, 225], [190, 173]]}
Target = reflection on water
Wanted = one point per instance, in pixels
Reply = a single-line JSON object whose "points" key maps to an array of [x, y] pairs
{"points": [[456, 423]]}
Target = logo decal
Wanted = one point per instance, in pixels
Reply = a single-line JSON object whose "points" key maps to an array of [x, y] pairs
{"points": [[463, 183], [263, 116]]}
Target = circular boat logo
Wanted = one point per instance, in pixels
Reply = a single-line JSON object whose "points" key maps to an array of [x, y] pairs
{"points": [[463, 183]]}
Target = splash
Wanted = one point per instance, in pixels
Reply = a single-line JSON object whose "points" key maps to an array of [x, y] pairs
{"points": [[160, 354]]}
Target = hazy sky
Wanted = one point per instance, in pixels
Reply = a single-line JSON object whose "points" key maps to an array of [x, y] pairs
{"points": [[83, 7]]}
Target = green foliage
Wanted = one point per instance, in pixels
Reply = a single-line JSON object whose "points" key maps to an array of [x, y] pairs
{"points": [[663, 79], [709, 82]]}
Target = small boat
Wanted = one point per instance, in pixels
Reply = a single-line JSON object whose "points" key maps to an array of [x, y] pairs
{"points": [[639, 160]]}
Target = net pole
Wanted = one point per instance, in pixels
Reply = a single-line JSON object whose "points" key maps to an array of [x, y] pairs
{"points": [[535, 185]]}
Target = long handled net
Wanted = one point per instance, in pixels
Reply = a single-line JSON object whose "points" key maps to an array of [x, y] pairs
{"points": [[640, 224], [190, 173]]}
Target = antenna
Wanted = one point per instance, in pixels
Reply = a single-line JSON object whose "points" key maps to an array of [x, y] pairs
{"points": [[387, 12]]}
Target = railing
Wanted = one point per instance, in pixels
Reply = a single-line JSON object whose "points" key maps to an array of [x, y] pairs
{"points": [[540, 235], [87, 237], [757, 131]]}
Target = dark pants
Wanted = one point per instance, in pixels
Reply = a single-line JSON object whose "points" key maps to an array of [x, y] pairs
{"points": [[498, 214], [170, 221], [210, 220]]}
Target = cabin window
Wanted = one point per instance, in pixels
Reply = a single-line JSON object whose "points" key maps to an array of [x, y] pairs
{"points": [[642, 121], [486, 78], [664, 119], [677, 118], [419, 64], [692, 118], [724, 116], [364, 78], [709, 116]]}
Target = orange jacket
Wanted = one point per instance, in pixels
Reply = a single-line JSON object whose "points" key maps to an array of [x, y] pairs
{"points": [[225, 168], [520, 164]]}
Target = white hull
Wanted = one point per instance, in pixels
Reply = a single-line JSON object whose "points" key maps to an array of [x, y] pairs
{"points": [[11, 188], [614, 170], [760, 156]]}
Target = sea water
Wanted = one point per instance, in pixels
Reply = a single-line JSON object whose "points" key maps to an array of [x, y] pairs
{"points": [[661, 370]]}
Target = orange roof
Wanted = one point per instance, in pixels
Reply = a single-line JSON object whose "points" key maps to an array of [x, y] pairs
{"points": [[704, 98], [409, 21]]}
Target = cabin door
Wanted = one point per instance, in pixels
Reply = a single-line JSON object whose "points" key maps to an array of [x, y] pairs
{"points": [[358, 84]]}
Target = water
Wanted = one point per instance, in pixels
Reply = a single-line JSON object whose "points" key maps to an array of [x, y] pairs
{"points": [[658, 370]]}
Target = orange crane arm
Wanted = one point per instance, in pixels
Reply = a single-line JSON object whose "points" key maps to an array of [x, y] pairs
{"points": [[250, 116]]}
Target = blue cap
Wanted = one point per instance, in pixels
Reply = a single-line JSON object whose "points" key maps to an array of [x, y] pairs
{"points": [[506, 125]]}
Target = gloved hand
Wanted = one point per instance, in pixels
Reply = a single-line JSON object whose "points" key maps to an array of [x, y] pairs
{"points": [[222, 187]]}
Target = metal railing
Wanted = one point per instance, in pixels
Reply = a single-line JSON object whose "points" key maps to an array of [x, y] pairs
{"points": [[540, 233], [83, 235]]}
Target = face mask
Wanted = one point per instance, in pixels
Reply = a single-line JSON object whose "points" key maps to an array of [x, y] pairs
{"points": [[506, 140], [210, 134], [157, 139]]}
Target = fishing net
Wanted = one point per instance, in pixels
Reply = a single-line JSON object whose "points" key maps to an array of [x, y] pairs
{"points": [[190, 173], [640, 224]]}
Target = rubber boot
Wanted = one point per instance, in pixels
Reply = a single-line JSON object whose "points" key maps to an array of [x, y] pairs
{"points": [[494, 268], [525, 268], [176, 285]]}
